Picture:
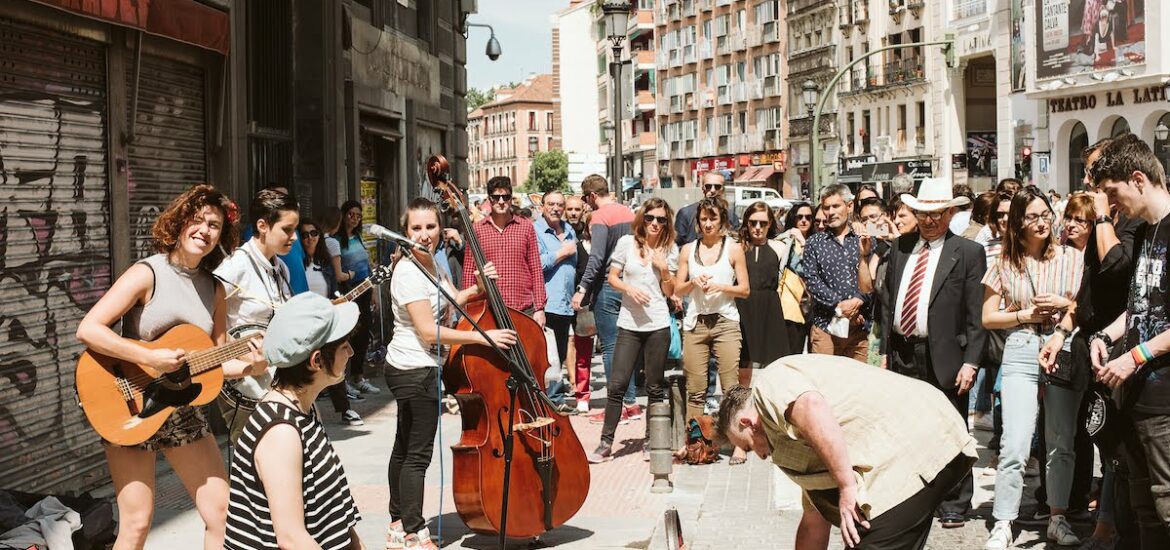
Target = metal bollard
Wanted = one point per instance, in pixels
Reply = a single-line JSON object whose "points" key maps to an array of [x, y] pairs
{"points": [[661, 450]]}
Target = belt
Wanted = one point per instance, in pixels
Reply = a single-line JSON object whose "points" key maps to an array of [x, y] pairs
{"points": [[913, 340]]}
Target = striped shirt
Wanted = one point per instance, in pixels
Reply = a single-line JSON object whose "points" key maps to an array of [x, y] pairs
{"points": [[329, 508], [1060, 275]]}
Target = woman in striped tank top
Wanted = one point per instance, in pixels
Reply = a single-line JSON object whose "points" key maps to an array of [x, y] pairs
{"points": [[1037, 280]]}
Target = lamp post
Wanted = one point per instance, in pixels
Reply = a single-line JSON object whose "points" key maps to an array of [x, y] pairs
{"points": [[617, 18], [809, 91], [948, 52]]}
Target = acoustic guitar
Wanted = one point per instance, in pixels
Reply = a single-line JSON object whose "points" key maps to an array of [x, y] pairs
{"points": [[126, 403]]}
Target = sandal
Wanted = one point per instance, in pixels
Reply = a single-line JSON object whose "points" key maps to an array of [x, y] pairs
{"points": [[737, 460]]}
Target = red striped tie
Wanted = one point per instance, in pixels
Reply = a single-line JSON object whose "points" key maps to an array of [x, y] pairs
{"points": [[910, 306]]}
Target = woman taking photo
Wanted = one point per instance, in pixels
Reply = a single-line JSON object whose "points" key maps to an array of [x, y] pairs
{"points": [[355, 265], [713, 272], [794, 298], [414, 360], [642, 269], [1037, 280], [257, 283], [189, 236], [320, 275], [288, 486]]}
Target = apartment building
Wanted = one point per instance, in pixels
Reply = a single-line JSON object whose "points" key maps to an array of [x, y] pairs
{"points": [[576, 128], [721, 97], [506, 133], [638, 125], [813, 39]]}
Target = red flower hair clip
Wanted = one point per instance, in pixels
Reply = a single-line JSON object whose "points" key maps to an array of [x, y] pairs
{"points": [[233, 212]]}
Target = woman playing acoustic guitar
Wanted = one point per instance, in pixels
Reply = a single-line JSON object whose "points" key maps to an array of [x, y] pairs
{"points": [[168, 289]]}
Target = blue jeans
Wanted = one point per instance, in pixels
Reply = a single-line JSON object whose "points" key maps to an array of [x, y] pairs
{"points": [[605, 314], [1020, 382]]}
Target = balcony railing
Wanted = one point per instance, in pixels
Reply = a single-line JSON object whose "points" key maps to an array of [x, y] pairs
{"points": [[964, 9], [705, 49], [738, 41], [689, 54], [910, 69], [802, 126], [739, 92]]}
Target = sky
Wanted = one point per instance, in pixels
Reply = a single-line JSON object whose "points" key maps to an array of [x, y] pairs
{"points": [[525, 35]]}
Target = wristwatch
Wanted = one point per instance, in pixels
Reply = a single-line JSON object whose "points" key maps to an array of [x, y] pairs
{"points": [[1103, 337], [1103, 218], [1063, 331]]}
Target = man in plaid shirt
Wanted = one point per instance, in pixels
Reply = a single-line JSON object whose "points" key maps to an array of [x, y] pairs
{"points": [[509, 242]]}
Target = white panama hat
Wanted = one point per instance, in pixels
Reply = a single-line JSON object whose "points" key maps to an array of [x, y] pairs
{"points": [[934, 194]]}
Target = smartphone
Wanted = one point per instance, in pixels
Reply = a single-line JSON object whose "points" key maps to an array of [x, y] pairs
{"points": [[877, 229]]}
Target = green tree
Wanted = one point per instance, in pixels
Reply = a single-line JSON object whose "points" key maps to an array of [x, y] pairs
{"points": [[549, 172], [477, 98]]}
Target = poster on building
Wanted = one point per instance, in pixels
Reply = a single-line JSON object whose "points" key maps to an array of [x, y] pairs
{"points": [[981, 154], [1079, 36], [369, 200], [1019, 68]]}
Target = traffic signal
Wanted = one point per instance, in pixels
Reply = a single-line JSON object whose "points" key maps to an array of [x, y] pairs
{"points": [[1024, 166], [949, 50]]}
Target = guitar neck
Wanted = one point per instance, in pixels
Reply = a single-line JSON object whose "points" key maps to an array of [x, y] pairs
{"points": [[354, 292], [208, 359]]}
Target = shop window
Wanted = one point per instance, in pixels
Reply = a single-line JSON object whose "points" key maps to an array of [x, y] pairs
{"points": [[1077, 142], [1120, 128]]}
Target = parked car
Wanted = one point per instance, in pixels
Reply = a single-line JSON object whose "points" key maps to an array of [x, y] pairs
{"points": [[740, 197]]}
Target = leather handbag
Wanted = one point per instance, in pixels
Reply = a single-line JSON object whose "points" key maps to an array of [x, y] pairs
{"points": [[1062, 370], [700, 447], [795, 301]]}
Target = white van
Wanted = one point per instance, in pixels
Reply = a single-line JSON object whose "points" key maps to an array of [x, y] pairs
{"points": [[740, 197]]}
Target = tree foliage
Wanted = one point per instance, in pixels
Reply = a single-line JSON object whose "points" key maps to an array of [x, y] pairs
{"points": [[477, 98], [549, 171]]}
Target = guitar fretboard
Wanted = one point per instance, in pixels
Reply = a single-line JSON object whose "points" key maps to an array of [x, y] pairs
{"points": [[202, 361]]}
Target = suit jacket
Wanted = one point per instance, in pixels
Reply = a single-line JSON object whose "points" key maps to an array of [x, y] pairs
{"points": [[954, 321]]}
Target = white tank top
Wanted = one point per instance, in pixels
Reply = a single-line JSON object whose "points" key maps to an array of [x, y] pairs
{"points": [[720, 302]]}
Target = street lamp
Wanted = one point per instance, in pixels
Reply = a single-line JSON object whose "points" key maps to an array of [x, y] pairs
{"points": [[492, 50], [617, 18], [809, 91], [1161, 132], [1027, 141], [533, 145]]}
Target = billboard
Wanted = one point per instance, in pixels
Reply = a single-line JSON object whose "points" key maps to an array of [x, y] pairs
{"points": [[981, 154], [1079, 36], [1019, 67]]}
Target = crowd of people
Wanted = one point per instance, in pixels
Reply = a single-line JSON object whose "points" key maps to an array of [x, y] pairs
{"points": [[1027, 318]]}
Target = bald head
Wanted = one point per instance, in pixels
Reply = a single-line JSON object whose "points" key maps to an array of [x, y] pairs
{"points": [[713, 184]]}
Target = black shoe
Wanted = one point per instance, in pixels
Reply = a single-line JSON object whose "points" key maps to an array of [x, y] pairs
{"points": [[565, 409], [952, 520]]}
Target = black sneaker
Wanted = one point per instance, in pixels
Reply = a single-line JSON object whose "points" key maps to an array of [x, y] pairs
{"points": [[604, 453], [565, 409]]}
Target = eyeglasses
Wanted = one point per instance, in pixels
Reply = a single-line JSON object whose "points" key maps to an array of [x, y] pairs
{"points": [[712, 186], [1081, 221], [660, 220], [932, 216], [820, 222], [500, 198], [1046, 217], [313, 233], [758, 223]]}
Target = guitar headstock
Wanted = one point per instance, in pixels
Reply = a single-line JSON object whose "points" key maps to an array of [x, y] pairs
{"points": [[439, 175], [380, 274]]}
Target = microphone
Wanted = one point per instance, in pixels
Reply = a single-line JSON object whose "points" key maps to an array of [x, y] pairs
{"points": [[395, 237]]}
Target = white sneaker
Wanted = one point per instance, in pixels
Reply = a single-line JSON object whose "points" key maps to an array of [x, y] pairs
{"points": [[582, 406], [352, 418], [984, 423], [1001, 536], [1060, 532], [366, 387]]}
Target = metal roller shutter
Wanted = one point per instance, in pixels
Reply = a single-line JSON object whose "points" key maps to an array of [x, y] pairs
{"points": [[168, 154], [54, 251]]}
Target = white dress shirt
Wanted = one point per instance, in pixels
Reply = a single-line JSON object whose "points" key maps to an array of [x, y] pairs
{"points": [[927, 283]]}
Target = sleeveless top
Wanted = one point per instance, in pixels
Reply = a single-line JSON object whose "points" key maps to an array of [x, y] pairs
{"points": [[720, 272], [330, 511], [180, 296]]}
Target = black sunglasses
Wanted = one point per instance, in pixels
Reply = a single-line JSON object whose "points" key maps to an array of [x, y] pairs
{"points": [[758, 223], [660, 220], [804, 217], [709, 186], [313, 233], [501, 198]]}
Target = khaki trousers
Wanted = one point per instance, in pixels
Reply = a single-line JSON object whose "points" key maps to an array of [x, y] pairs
{"points": [[856, 346], [712, 334]]}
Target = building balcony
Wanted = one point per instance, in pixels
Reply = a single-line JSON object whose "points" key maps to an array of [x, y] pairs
{"points": [[645, 60], [903, 71], [706, 98], [705, 5], [967, 9], [755, 89], [754, 36], [705, 51], [800, 6], [641, 24], [802, 125], [662, 149], [738, 41], [739, 92], [755, 141], [689, 54], [645, 101]]}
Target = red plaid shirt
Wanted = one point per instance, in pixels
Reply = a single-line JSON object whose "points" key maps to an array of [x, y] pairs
{"points": [[516, 256]]}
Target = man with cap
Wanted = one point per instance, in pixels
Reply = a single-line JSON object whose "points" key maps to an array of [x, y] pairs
{"points": [[283, 458], [934, 331]]}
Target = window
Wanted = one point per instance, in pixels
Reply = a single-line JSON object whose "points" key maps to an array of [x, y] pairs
{"points": [[531, 120], [1120, 128], [548, 121], [1077, 142]]}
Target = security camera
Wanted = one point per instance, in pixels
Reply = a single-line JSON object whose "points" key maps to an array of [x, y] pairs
{"points": [[493, 48]]}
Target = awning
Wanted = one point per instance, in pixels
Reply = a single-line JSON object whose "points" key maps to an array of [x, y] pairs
{"points": [[187, 21], [755, 174]]}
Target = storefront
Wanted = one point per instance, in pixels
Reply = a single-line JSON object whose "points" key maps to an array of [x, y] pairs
{"points": [[104, 119]]}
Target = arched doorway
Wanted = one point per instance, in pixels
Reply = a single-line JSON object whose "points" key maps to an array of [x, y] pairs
{"points": [[1077, 142], [1162, 141], [1120, 127]]}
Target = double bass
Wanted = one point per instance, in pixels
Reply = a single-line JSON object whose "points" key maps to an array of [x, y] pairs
{"points": [[549, 474]]}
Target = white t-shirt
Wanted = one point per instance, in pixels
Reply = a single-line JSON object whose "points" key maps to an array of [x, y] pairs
{"points": [[639, 273], [408, 285], [332, 246], [254, 287], [316, 279]]}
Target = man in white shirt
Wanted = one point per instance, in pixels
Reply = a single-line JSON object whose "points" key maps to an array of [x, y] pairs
{"points": [[934, 331]]}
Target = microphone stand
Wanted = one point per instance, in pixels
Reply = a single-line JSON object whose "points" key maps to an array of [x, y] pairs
{"points": [[517, 377]]}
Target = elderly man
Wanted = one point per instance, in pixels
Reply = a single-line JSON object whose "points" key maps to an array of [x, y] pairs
{"points": [[557, 243], [684, 222], [873, 452], [839, 289], [934, 330]]}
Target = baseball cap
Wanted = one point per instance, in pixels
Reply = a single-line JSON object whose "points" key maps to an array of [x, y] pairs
{"points": [[305, 324]]}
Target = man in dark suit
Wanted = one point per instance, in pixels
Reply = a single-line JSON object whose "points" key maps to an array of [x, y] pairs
{"points": [[933, 330]]}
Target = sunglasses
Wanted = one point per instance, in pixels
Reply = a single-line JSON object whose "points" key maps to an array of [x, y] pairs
{"points": [[500, 198], [804, 217], [660, 220], [1081, 221], [758, 223], [932, 216], [820, 222], [313, 233], [712, 186]]}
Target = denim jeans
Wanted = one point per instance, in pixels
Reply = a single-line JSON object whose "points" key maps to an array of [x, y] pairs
{"points": [[1147, 454], [605, 314], [631, 345], [1020, 381], [417, 393]]}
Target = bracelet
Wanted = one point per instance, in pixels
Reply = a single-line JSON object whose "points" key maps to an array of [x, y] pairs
{"points": [[1018, 321], [1103, 337], [1141, 354]]}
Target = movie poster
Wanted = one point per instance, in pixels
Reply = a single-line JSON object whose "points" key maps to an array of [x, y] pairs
{"points": [[1019, 70], [982, 154], [1080, 36]]}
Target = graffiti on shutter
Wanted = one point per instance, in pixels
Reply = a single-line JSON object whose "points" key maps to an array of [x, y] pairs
{"points": [[54, 251], [168, 154]]}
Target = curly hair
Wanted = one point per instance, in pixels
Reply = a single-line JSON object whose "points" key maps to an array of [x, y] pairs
{"points": [[716, 206], [182, 211], [639, 227]]}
